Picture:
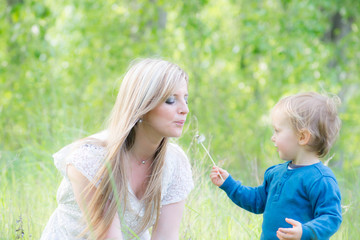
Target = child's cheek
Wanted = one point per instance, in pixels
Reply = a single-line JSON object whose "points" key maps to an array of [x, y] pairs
{"points": [[281, 146]]}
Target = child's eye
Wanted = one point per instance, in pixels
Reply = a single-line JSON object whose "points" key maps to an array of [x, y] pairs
{"points": [[186, 100], [170, 100]]}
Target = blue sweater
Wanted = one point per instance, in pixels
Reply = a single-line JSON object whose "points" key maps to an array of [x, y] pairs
{"points": [[309, 194]]}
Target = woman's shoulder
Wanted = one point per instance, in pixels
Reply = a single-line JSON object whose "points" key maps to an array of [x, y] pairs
{"points": [[174, 150], [177, 178], [176, 157], [85, 155]]}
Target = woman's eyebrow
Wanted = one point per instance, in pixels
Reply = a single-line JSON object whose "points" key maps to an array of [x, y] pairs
{"points": [[186, 95]]}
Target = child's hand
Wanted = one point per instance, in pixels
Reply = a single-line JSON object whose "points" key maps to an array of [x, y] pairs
{"points": [[293, 233], [215, 177]]}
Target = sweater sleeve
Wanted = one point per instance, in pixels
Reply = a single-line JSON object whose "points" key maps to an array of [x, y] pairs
{"points": [[326, 202], [252, 199]]}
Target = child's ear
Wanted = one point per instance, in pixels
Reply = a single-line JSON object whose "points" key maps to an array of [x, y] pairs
{"points": [[304, 137]]}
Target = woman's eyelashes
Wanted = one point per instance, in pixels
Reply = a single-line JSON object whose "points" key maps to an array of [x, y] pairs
{"points": [[172, 100]]}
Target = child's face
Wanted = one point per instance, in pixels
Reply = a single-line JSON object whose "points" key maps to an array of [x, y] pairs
{"points": [[284, 137]]}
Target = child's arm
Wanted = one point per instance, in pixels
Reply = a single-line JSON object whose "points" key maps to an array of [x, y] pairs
{"points": [[252, 199], [326, 200]]}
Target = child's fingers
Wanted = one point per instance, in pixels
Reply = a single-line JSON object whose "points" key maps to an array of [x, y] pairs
{"points": [[223, 173], [215, 168], [291, 233], [216, 179], [281, 236], [285, 234], [214, 175], [219, 175], [286, 230], [292, 222]]}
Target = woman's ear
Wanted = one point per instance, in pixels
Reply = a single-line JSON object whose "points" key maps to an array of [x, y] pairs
{"points": [[304, 137]]}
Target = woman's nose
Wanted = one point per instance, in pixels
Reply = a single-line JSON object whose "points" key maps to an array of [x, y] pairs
{"points": [[184, 108]]}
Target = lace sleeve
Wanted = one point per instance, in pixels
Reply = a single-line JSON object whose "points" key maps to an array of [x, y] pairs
{"points": [[178, 176], [86, 158]]}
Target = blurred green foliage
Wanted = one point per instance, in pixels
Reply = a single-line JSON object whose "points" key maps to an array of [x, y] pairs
{"points": [[61, 63]]}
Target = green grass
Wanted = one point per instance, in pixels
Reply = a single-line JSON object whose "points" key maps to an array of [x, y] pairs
{"points": [[210, 214], [29, 181], [60, 84], [27, 195]]}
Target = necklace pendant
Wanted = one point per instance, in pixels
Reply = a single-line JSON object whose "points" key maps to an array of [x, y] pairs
{"points": [[143, 161]]}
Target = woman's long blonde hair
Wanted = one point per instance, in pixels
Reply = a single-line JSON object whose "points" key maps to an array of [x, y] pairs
{"points": [[147, 83]]}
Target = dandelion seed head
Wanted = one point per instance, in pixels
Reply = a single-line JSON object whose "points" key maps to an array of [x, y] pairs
{"points": [[200, 138]]}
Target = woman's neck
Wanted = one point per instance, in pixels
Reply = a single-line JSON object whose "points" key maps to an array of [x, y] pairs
{"points": [[144, 146]]}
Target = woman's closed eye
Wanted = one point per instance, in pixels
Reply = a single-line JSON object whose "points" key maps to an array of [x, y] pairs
{"points": [[172, 100]]}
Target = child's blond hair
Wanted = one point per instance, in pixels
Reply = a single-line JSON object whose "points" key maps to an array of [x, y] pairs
{"points": [[316, 113]]}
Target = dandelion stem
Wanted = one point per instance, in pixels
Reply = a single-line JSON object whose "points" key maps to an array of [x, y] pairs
{"points": [[211, 159]]}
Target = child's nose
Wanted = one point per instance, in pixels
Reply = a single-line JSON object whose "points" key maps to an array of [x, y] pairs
{"points": [[273, 138]]}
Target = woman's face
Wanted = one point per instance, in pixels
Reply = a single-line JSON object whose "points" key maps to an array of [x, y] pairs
{"points": [[168, 118]]}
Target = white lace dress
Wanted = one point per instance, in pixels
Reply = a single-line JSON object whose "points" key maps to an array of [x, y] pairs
{"points": [[66, 221]]}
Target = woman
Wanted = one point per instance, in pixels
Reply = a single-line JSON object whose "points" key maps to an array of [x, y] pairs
{"points": [[122, 181]]}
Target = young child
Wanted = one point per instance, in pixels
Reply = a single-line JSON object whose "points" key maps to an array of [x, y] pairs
{"points": [[300, 199]]}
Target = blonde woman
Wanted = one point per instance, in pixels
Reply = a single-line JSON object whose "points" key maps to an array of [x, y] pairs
{"points": [[122, 181]]}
